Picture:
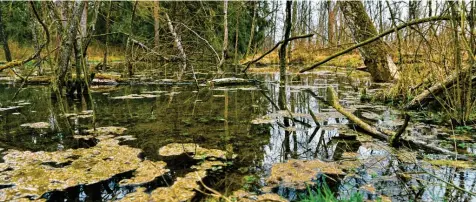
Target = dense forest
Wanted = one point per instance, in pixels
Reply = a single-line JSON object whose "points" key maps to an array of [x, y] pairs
{"points": [[238, 100]]}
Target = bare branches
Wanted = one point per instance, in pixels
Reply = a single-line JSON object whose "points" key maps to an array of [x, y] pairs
{"points": [[368, 41], [248, 64], [37, 53]]}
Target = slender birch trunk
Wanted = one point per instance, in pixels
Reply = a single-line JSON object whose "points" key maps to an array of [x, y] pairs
{"points": [[225, 35], [178, 43], [253, 22], [156, 23]]}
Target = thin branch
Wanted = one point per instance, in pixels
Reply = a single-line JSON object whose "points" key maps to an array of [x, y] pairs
{"points": [[375, 38], [248, 64]]}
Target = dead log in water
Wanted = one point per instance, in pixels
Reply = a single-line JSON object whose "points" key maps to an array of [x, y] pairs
{"points": [[394, 138], [436, 89], [230, 82]]}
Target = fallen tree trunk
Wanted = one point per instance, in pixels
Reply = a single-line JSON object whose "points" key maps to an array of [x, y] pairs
{"points": [[375, 38], [248, 64], [420, 99], [389, 136], [231, 81]]}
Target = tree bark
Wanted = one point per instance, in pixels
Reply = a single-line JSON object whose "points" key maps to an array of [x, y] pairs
{"points": [[330, 23], [156, 23], [178, 43], [253, 22], [4, 38], [225, 35], [66, 48], [389, 136], [376, 56], [106, 49], [282, 50]]}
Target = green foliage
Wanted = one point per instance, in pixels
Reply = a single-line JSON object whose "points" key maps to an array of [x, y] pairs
{"points": [[463, 129], [16, 21], [249, 181], [324, 193]]}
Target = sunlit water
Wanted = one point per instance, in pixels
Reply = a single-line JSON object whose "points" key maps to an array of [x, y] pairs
{"points": [[221, 117]]}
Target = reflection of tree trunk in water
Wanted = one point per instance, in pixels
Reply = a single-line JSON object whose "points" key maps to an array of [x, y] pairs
{"points": [[282, 106], [4, 39]]}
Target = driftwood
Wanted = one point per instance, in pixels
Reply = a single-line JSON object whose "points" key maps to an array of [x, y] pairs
{"points": [[230, 81], [248, 64], [389, 136], [368, 41]]}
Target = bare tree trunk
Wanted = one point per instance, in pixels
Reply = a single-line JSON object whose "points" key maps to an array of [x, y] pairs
{"points": [[4, 38], [282, 50], [178, 43], [129, 48], [106, 50], [237, 33], [248, 48], [66, 48], [330, 23], [225, 35], [293, 30], [156, 23], [36, 44], [376, 55]]}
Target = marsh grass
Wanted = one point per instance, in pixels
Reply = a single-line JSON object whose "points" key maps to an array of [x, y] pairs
{"points": [[305, 54]]}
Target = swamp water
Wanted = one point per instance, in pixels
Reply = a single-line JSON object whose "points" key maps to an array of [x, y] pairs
{"points": [[238, 134]]}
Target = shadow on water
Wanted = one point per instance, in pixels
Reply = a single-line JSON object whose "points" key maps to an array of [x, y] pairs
{"points": [[264, 125]]}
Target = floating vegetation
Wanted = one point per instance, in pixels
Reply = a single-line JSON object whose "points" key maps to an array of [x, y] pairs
{"points": [[107, 130], [37, 125], [147, 171], [244, 196], [297, 173], [184, 188], [32, 175], [197, 152]]}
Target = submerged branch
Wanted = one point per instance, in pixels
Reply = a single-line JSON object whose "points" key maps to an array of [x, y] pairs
{"points": [[388, 136], [368, 41]]}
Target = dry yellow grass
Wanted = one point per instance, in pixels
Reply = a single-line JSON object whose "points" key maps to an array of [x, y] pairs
{"points": [[18, 51], [309, 54], [95, 52]]}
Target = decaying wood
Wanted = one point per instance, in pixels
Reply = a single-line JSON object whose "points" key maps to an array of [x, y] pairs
{"points": [[420, 99], [230, 81], [388, 136], [248, 64]]}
